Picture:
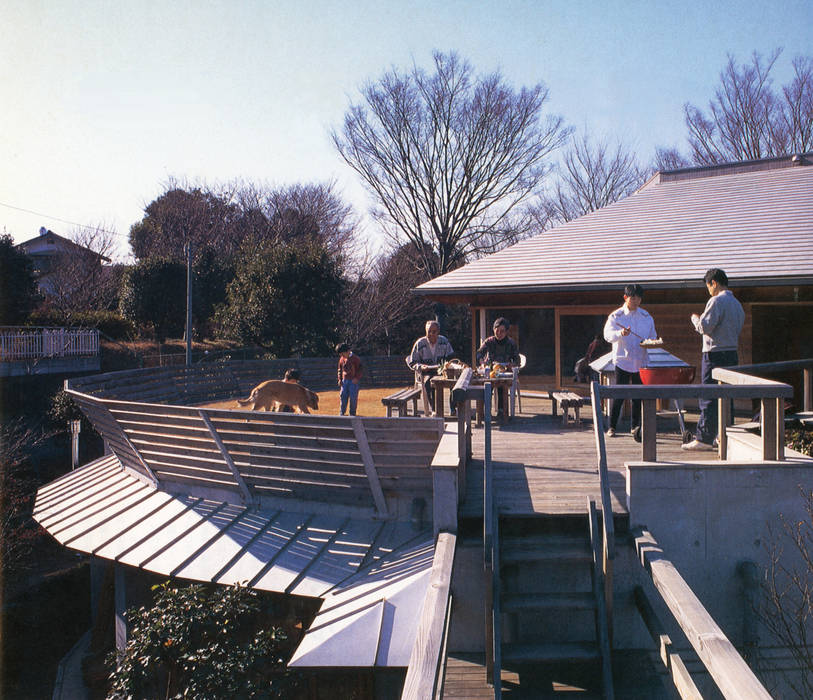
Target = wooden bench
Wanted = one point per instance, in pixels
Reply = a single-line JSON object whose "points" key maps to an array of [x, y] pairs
{"points": [[400, 399], [567, 400]]}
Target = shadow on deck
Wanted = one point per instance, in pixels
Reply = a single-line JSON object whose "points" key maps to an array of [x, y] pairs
{"points": [[544, 468]]}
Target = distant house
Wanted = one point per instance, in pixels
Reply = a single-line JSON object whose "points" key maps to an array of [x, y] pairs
{"points": [[46, 251], [753, 219]]}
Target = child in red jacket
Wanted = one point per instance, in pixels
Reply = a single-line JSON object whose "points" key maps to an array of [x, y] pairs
{"points": [[349, 376]]}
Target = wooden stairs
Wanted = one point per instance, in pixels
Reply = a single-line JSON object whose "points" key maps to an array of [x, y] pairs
{"points": [[554, 622]]}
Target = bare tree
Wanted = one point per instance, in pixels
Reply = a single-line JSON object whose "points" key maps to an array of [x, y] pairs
{"points": [[448, 156], [592, 175], [311, 211], [748, 119], [788, 588], [81, 277], [670, 159]]}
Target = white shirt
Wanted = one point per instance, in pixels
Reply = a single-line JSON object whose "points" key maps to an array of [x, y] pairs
{"points": [[627, 351]]}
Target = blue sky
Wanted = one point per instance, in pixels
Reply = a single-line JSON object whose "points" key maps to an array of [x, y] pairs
{"points": [[103, 102]]}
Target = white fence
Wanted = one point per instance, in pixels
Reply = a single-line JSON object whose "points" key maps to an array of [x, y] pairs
{"points": [[35, 343]]}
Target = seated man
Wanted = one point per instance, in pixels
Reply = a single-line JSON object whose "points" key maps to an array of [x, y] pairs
{"points": [[428, 352], [501, 349]]}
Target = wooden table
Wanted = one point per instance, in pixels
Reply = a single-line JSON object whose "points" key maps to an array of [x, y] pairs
{"points": [[502, 384]]}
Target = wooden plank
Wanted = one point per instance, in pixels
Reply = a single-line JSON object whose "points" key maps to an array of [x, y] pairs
{"points": [[369, 467], [649, 417], [423, 678], [733, 676], [227, 458]]}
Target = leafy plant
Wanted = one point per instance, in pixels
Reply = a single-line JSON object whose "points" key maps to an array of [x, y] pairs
{"points": [[201, 642]]}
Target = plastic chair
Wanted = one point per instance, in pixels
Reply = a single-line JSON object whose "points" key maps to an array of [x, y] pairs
{"points": [[516, 395]]}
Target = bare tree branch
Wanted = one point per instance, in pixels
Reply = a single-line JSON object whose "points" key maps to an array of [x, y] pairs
{"points": [[448, 156]]}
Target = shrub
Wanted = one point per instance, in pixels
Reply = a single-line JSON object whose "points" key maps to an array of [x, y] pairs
{"points": [[201, 642], [109, 323]]}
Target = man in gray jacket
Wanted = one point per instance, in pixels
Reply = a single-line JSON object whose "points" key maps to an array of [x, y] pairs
{"points": [[720, 325]]}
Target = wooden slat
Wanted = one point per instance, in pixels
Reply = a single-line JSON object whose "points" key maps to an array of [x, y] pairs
{"points": [[369, 467], [425, 662], [733, 676]]}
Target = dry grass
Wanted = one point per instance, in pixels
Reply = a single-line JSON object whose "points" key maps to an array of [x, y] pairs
{"points": [[369, 401]]}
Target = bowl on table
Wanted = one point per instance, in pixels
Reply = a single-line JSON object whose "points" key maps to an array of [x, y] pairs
{"points": [[667, 375]]}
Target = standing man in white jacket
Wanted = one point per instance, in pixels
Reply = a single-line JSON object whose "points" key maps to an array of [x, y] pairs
{"points": [[626, 327]]}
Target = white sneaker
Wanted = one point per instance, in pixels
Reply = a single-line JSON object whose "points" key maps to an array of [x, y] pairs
{"points": [[611, 432], [697, 446]]}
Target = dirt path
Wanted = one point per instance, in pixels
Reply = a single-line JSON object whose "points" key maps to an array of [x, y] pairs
{"points": [[369, 401]]}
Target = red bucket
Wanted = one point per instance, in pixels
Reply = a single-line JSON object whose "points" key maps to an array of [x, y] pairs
{"points": [[667, 375]]}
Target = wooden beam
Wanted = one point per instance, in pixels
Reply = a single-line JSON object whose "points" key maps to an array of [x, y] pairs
{"points": [[733, 676], [768, 428], [723, 419], [681, 677], [423, 678], [120, 597], [369, 467], [649, 417], [244, 491]]}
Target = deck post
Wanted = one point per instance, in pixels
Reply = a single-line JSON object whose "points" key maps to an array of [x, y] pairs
{"points": [[723, 419], [120, 599], [780, 429], [808, 389], [649, 449], [769, 429]]}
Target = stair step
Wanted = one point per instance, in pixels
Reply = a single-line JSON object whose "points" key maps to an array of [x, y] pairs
{"points": [[555, 652], [512, 602], [544, 548]]}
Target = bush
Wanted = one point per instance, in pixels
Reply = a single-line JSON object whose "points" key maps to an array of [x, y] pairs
{"points": [[109, 323], [202, 642]]}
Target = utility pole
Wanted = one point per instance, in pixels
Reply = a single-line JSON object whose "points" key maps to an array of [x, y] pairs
{"points": [[188, 303]]}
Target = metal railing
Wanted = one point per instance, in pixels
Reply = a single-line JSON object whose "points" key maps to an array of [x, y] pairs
{"points": [[37, 343]]}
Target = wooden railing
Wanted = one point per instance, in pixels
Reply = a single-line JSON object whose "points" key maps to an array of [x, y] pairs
{"points": [[608, 525], [427, 662], [771, 394], [38, 343], [805, 365], [730, 672], [491, 560]]}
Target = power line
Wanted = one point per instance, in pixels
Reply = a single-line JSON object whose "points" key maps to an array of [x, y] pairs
{"points": [[56, 218]]}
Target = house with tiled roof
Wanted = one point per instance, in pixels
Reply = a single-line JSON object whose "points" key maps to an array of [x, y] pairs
{"points": [[752, 219]]}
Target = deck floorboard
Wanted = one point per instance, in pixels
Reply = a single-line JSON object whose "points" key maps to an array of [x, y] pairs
{"points": [[544, 468]]}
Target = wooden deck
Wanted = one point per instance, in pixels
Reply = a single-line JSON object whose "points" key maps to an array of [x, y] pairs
{"points": [[545, 468]]}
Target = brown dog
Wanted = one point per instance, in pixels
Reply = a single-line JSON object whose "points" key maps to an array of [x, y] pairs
{"points": [[272, 394]]}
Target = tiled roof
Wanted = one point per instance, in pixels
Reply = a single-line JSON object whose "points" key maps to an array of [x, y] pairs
{"points": [[757, 225]]}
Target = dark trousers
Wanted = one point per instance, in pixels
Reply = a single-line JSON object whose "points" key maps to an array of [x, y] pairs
{"points": [[624, 377], [707, 424]]}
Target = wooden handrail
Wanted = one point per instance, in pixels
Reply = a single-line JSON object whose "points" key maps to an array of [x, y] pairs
{"points": [[602, 618], [733, 676], [681, 678], [770, 393], [427, 661], [608, 529], [805, 365]]}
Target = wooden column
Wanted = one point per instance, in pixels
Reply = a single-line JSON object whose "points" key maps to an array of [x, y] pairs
{"points": [[723, 419], [769, 428], [808, 389], [649, 417], [120, 597], [780, 429]]}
